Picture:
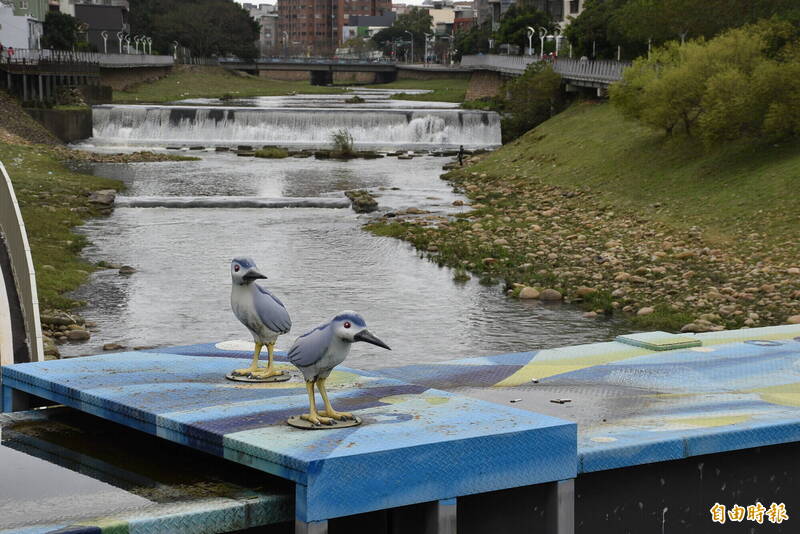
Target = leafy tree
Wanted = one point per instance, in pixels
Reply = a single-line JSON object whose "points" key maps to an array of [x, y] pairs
{"points": [[60, 31], [743, 83], [531, 99], [475, 40], [514, 25], [631, 24], [215, 27], [417, 21], [595, 33]]}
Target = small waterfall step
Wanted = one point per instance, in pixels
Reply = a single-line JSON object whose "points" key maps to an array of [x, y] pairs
{"points": [[231, 202]]}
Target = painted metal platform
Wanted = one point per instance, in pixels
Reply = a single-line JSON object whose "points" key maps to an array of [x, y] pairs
{"points": [[417, 444], [734, 390]]}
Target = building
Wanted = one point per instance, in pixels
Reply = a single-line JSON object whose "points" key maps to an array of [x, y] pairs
{"points": [[316, 27], [465, 17], [267, 17], [110, 16], [22, 22], [365, 26], [63, 6]]}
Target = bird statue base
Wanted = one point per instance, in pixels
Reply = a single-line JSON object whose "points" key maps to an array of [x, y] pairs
{"points": [[250, 378], [297, 422]]}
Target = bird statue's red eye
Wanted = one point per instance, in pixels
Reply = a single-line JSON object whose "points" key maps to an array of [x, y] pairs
{"points": [[347, 324], [236, 268]]}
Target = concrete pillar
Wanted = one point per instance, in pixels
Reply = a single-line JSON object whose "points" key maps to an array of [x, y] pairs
{"points": [[560, 514], [315, 527], [41, 87], [442, 517], [24, 87]]}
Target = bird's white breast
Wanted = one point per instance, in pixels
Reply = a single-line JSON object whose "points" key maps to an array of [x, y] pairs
{"points": [[244, 308]]}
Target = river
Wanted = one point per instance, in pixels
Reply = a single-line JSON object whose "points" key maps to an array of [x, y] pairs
{"points": [[318, 260]]}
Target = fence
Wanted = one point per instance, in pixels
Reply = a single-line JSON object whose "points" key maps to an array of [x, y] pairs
{"points": [[594, 71], [50, 58], [23, 276]]}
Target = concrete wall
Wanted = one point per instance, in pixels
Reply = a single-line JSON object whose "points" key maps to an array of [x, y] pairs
{"points": [[409, 74], [13, 28], [67, 125], [354, 77], [286, 75], [484, 84], [122, 79]]}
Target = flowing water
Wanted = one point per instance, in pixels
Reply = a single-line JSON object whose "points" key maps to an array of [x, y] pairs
{"points": [[318, 259]]}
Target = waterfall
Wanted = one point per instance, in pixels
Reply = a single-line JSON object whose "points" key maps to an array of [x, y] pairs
{"points": [[308, 127]]}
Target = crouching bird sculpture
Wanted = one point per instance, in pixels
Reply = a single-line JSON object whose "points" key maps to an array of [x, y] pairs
{"points": [[317, 352], [263, 314]]}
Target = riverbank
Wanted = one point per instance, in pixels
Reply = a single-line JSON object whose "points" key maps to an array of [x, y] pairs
{"points": [[53, 201], [606, 213]]}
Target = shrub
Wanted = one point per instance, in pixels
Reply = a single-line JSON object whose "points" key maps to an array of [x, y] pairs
{"points": [[532, 98], [743, 83], [342, 141]]}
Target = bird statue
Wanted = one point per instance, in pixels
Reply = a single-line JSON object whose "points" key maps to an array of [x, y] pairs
{"points": [[262, 313], [317, 352]]}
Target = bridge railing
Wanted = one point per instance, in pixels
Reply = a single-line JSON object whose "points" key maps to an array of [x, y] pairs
{"points": [[12, 230], [598, 71], [309, 60], [28, 56]]}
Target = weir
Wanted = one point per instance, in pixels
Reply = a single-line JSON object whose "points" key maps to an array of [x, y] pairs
{"points": [[374, 128]]}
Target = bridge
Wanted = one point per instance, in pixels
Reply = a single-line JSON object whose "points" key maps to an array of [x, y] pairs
{"points": [[321, 69], [36, 74], [581, 73]]}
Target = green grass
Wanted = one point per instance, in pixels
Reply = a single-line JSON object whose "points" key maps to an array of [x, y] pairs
{"points": [[588, 199], [731, 192], [53, 200], [444, 90], [272, 152], [213, 82]]}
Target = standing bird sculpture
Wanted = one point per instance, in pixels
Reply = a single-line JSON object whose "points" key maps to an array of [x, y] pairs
{"points": [[262, 313], [317, 352]]}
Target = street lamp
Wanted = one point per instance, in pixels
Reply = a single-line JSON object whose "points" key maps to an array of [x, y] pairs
{"points": [[542, 35], [412, 45], [557, 37], [104, 35], [285, 43], [120, 36], [531, 32], [427, 40], [150, 45]]}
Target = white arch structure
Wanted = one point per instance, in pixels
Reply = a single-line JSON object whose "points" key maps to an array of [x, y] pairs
{"points": [[20, 327]]}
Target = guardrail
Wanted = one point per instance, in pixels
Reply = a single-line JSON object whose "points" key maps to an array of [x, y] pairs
{"points": [[27, 56], [22, 273], [308, 60], [594, 71]]}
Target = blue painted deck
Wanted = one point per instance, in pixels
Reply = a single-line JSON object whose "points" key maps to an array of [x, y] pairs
{"points": [[417, 444], [430, 431], [737, 390]]}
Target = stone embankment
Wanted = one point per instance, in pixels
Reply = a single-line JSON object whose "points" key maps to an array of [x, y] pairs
{"points": [[551, 243]]}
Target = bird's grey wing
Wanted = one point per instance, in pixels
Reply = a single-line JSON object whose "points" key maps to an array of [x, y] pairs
{"points": [[311, 346], [272, 312]]}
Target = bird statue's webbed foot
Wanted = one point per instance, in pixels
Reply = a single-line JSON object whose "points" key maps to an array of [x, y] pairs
{"points": [[339, 416], [260, 373], [317, 420]]}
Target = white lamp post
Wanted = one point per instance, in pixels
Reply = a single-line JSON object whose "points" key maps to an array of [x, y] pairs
{"points": [[412, 45], [120, 36], [104, 35], [531, 32], [542, 36]]}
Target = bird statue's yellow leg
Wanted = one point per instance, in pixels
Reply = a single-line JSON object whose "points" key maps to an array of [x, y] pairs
{"points": [[253, 366], [269, 371], [313, 417], [329, 411]]}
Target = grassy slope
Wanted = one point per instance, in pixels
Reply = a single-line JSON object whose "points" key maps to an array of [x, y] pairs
{"points": [[210, 82], [730, 192], [588, 196], [444, 90], [53, 200]]}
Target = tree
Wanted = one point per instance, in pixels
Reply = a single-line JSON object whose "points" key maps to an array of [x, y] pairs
{"points": [[514, 25], [595, 34], [743, 83], [60, 31], [475, 40], [215, 27], [417, 21], [531, 99]]}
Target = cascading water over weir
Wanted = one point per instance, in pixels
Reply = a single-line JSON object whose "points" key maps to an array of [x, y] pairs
{"points": [[308, 127]]}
